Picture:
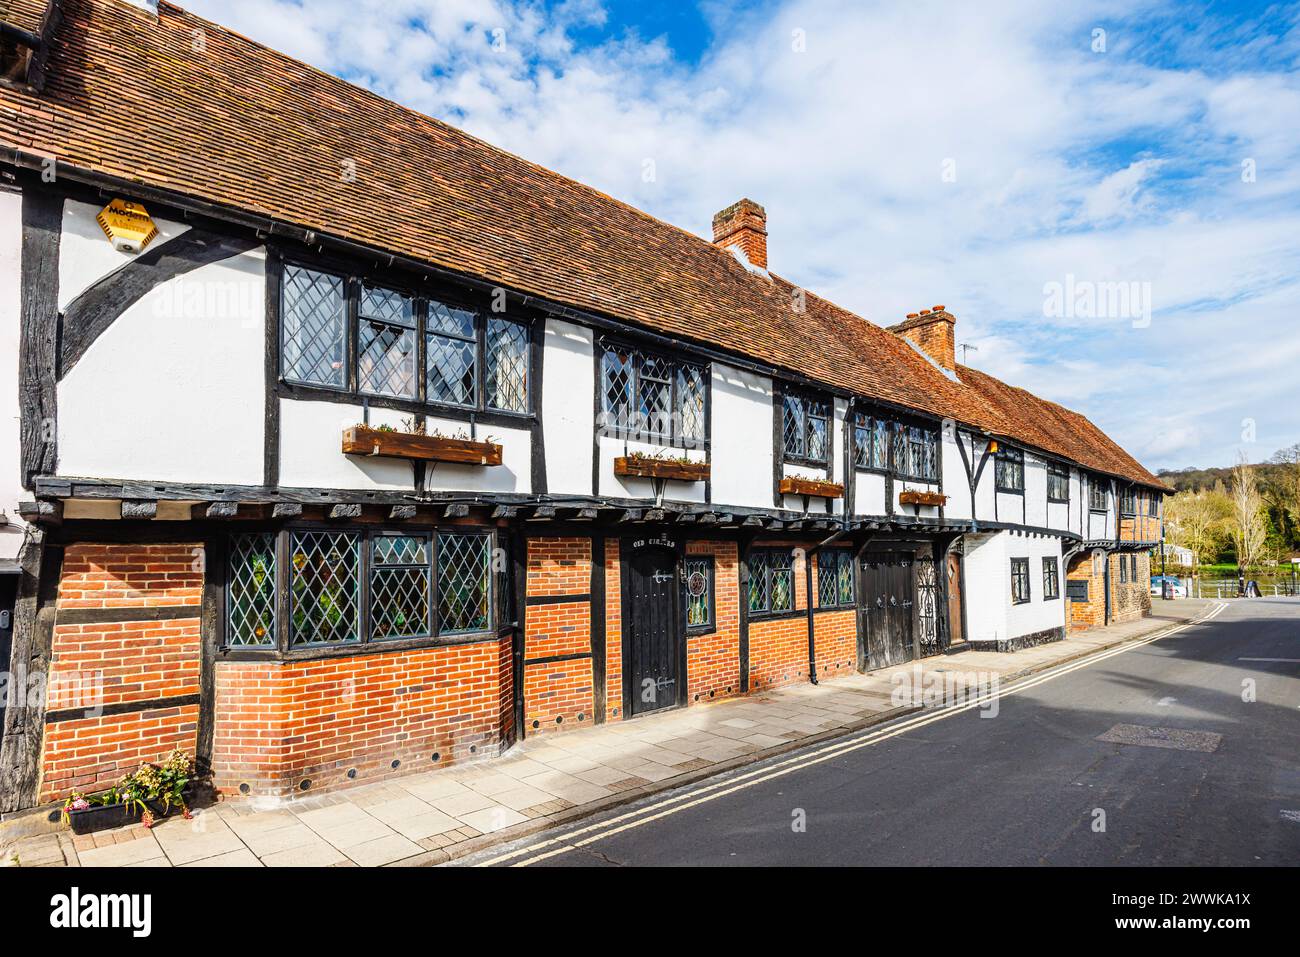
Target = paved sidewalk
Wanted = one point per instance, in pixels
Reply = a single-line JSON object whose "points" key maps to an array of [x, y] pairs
{"points": [[436, 816]]}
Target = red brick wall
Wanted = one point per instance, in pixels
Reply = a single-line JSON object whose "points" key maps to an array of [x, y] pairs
{"points": [[1092, 613], [114, 663], [613, 632], [131, 576], [836, 634], [713, 658], [558, 695], [1132, 599], [280, 722]]}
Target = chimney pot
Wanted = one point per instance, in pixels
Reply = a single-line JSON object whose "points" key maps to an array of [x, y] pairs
{"points": [[934, 333], [744, 225]]}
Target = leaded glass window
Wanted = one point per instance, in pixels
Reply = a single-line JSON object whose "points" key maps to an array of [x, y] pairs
{"points": [[250, 591], [1051, 578], [1098, 497], [1019, 581], [1058, 483], [405, 347], [1009, 470], [464, 583], [834, 578], [652, 397], [805, 427], [399, 586], [699, 591], [313, 347], [386, 343], [507, 365], [771, 580], [451, 355], [325, 587]]}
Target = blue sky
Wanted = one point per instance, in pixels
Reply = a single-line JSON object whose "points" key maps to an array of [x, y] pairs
{"points": [[984, 156]]}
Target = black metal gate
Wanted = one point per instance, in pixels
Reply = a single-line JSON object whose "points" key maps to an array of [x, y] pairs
{"points": [[929, 626], [887, 612], [652, 641]]}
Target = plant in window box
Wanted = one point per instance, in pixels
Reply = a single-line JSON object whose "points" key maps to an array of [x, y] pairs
{"points": [[917, 497], [661, 465], [416, 442], [152, 791]]}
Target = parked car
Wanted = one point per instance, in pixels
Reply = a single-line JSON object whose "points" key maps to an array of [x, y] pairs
{"points": [[1157, 586]]}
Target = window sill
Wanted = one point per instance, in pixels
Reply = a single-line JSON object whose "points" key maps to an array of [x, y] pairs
{"points": [[352, 649], [806, 463], [1011, 491], [1057, 501], [759, 616]]}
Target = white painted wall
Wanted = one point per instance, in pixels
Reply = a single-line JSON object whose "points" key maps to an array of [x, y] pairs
{"points": [[86, 255], [987, 587], [955, 482], [11, 492], [173, 389], [1035, 491], [623, 487], [568, 391], [741, 438], [869, 494]]}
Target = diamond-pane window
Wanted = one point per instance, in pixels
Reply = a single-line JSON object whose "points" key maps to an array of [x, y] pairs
{"points": [[325, 587], [653, 397], [507, 365], [399, 586], [452, 370], [805, 424], [834, 578], [250, 592], [386, 343], [450, 320], [464, 583], [314, 327], [771, 580]]}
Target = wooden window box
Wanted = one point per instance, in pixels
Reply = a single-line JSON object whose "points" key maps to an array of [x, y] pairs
{"points": [[913, 497], [430, 448], [803, 486], [661, 469]]}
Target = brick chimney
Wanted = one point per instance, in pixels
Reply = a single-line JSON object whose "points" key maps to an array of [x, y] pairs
{"points": [[933, 330], [743, 225]]}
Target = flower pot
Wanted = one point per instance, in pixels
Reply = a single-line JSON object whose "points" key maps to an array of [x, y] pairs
{"points": [[359, 440], [101, 817], [812, 487], [661, 468]]}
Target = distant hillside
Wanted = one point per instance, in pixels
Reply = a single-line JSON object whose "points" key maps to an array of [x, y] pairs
{"points": [[1194, 479]]}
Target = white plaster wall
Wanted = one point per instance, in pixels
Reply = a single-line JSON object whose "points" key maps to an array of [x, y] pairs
{"points": [[1035, 491], [990, 613], [985, 491], [1010, 507], [635, 487], [925, 511], [173, 389], [11, 492], [741, 438], [869, 494], [568, 390], [311, 457], [1058, 515], [86, 255], [955, 483]]}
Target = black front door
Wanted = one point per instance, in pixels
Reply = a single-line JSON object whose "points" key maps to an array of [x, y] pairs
{"points": [[653, 646], [887, 608]]}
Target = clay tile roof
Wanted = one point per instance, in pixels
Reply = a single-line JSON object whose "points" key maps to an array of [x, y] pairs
{"points": [[243, 126], [26, 15]]}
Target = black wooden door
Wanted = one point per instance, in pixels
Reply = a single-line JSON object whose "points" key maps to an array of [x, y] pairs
{"points": [[653, 632], [888, 595]]}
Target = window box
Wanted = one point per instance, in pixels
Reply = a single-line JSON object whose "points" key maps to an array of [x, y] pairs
{"points": [[100, 817], [645, 467], [803, 486], [359, 440], [915, 497]]}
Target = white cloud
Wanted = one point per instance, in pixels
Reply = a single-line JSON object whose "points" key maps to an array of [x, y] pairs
{"points": [[1068, 162]]}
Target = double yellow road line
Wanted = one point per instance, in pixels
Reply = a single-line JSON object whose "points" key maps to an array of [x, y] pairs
{"points": [[695, 796]]}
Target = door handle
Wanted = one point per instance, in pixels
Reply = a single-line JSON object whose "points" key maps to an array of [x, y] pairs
{"points": [[893, 600], [880, 602]]}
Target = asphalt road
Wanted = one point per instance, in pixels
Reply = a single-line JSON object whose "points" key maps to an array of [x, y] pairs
{"points": [[1029, 786]]}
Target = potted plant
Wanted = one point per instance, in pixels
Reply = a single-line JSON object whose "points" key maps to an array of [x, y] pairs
{"points": [[792, 485], [414, 441], [151, 792], [661, 466]]}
